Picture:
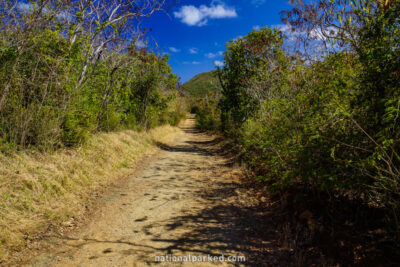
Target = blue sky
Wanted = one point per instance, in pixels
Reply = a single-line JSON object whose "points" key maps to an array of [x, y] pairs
{"points": [[194, 32]]}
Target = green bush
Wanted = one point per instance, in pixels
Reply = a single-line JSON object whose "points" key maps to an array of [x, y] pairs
{"points": [[77, 126], [326, 125], [207, 121], [43, 106]]}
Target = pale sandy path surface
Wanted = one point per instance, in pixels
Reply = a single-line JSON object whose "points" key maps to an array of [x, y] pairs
{"points": [[187, 200]]}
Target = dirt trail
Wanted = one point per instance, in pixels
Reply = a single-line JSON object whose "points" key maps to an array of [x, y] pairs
{"points": [[187, 200]]}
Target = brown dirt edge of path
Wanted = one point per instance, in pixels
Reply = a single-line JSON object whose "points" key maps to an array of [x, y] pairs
{"points": [[190, 198], [39, 243]]}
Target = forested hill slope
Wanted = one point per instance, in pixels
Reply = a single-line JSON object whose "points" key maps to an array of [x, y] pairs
{"points": [[202, 83]]}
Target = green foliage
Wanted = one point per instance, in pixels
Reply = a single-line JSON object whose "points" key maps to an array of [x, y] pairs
{"points": [[326, 125], [207, 112], [52, 95], [251, 64], [203, 83], [205, 89], [33, 83], [379, 101], [77, 126]]}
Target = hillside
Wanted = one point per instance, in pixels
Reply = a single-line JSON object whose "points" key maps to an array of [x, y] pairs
{"points": [[200, 84]]}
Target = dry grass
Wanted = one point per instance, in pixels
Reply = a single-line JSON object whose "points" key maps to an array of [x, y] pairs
{"points": [[38, 190]]}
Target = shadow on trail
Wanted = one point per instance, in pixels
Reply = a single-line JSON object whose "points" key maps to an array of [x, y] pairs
{"points": [[206, 147], [191, 130], [226, 224], [222, 228], [212, 142], [226, 228], [185, 149]]}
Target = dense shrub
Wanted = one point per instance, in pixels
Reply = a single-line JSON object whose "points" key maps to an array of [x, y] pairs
{"points": [[61, 80], [324, 121], [207, 112]]}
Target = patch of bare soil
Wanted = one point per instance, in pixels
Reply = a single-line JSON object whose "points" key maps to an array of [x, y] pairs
{"points": [[188, 200]]}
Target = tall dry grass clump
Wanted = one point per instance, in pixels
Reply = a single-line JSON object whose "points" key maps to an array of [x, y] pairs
{"points": [[42, 189]]}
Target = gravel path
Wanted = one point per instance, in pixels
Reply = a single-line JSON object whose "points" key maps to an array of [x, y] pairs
{"points": [[186, 201]]}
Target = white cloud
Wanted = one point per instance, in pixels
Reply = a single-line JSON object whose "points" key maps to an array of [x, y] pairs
{"points": [[25, 7], [193, 50], [28, 8], [218, 63], [64, 16], [191, 16], [315, 34], [322, 35], [140, 44], [174, 50], [198, 16], [290, 32], [238, 37], [256, 27], [210, 55], [213, 55], [258, 2], [193, 62]]}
